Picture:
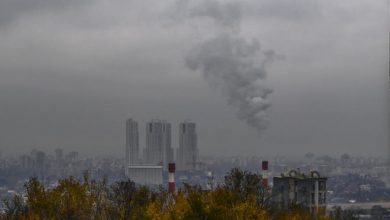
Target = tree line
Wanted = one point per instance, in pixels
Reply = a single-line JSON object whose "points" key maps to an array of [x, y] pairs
{"points": [[240, 197]]}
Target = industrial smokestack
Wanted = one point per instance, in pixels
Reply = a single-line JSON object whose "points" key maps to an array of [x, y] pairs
{"points": [[171, 177], [264, 172]]}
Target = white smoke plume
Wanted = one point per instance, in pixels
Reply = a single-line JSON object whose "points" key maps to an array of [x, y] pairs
{"points": [[231, 63]]}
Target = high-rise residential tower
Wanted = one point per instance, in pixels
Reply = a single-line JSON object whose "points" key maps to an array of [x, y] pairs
{"points": [[132, 142], [158, 143], [187, 154]]}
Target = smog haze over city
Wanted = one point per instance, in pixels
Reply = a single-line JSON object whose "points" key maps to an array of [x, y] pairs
{"points": [[259, 77]]}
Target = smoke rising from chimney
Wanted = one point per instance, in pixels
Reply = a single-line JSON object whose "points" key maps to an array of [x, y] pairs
{"points": [[231, 63]]}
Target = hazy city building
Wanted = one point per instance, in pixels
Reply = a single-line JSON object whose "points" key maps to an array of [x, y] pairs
{"points": [[300, 189], [72, 156], [39, 161], [187, 153], [132, 142], [59, 158], [26, 162], [158, 143]]}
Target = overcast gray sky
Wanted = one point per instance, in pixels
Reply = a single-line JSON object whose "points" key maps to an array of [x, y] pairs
{"points": [[72, 72]]}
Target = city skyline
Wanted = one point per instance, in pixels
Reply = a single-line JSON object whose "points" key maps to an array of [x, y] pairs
{"points": [[159, 148], [187, 109]]}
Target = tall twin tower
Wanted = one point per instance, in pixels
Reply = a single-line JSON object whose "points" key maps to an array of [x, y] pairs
{"points": [[158, 144]]}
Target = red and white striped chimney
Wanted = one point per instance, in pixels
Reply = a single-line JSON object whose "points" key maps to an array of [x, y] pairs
{"points": [[264, 172], [171, 177]]}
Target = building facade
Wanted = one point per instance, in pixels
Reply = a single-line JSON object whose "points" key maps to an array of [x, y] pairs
{"points": [[158, 143], [187, 153], [132, 142], [297, 188]]}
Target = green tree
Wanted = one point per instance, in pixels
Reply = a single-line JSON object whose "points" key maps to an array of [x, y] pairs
{"points": [[245, 183], [14, 208], [98, 191], [129, 201], [37, 201], [71, 200]]}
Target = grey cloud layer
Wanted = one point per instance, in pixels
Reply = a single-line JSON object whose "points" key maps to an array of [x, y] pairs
{"points": [[12, 10], [71, 72]]}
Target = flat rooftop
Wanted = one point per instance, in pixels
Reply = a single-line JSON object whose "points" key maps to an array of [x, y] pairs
{"points": [[145, 166]]}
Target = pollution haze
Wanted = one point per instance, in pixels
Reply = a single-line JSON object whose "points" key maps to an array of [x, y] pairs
{"points": [[259, 77]]}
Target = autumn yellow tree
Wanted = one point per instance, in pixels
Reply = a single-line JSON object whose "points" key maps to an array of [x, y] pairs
{"points": [[241, 197]]}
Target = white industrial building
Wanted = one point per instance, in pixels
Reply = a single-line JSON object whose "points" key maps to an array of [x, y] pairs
{"points": [[145, 174]]}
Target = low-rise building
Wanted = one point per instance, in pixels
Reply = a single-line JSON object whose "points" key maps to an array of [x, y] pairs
{"points": [[296, 188]]}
